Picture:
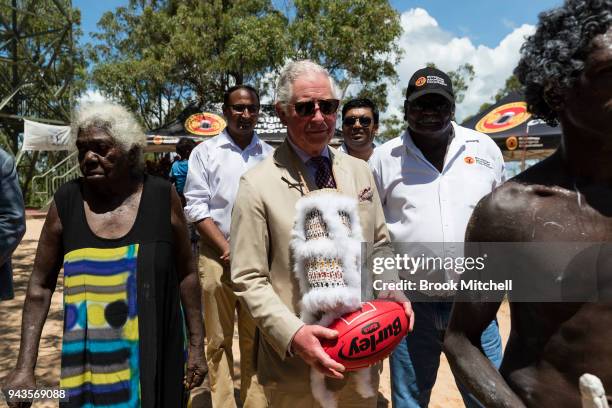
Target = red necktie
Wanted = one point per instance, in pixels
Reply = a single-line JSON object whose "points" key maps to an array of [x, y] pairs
{"points": [[323, 175]]}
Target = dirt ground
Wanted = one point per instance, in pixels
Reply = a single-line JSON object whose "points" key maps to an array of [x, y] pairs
{"points": [[445, 394]]}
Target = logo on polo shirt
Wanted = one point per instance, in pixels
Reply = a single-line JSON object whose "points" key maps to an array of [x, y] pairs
{"points": [[421, 81], [484, 162], [469, 160]]}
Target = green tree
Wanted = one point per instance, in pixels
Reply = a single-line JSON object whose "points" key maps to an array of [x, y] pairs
{"points": [[131, 63], [154, 56], [41, 72], [392, 126], [355, 40], [222, 43]]}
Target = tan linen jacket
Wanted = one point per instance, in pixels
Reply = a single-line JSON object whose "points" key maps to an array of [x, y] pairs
{"points": [[262, 276]]}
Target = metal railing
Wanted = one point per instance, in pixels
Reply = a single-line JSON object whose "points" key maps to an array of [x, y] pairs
{"points": [[46, 184]]}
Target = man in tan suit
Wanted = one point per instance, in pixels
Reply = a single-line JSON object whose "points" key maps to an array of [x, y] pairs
{"points": [[262, 220]]}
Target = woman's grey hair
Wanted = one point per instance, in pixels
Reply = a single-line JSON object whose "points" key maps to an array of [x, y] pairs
{"points": [[290, 72], [113, 119]]}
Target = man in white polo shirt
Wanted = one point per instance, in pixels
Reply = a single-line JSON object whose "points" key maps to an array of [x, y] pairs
{"points": [[429, 180], [215, 167]]}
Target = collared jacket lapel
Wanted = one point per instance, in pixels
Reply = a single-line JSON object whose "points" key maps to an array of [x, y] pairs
{"points": [[345, 183], [292, 168]]}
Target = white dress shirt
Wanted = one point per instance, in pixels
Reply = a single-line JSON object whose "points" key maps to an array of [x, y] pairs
{"points": [[424, 205], [344, 149], [215, 168]]}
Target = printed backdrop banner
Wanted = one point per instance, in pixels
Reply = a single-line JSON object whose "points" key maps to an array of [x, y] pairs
{"points": [[200, 124], [40, 136], [512, 127]]}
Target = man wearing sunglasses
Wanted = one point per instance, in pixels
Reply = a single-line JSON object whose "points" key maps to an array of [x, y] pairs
{"points": [[215, 167], [262, 222], [429, 180], [359, 126]]}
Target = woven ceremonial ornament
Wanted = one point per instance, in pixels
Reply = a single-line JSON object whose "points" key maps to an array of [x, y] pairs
{"points": [[326, 245], [326, 248]]}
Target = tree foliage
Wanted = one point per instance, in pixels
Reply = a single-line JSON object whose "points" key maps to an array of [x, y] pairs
{"points": [[38, 61], [154, 56], [392, 126], [355, 40], [130, 62], [41, 72], [223, 43]]}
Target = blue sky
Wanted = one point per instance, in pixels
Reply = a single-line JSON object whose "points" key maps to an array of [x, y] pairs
{"points": [[91, 11], [485, 22]]}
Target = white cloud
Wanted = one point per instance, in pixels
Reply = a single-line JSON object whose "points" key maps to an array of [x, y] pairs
{"points": [[92, 95], [423, 41]]}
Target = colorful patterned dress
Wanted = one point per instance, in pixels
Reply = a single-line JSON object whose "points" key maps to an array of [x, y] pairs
{"points": [[123, 327]]}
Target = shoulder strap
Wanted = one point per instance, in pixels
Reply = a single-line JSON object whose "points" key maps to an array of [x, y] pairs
{"points": [[69, 208]]}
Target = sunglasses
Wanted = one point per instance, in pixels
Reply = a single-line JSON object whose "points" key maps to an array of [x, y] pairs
{"points": [[351, 120], [419, 106], [307, 108], [240, 108]]}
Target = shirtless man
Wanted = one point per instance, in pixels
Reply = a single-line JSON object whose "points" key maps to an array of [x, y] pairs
{"points": [[566, 68]]}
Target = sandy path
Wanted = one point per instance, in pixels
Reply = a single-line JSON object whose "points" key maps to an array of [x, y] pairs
{"points": [[445, 394]]}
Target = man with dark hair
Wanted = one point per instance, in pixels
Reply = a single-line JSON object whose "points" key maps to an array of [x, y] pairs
{"points": [[429, 180], [12, 221], [565, 68], [359, 126], [215, 167]]}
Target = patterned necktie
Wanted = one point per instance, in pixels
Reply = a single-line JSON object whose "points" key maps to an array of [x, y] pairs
{"points": [[323, 175]]}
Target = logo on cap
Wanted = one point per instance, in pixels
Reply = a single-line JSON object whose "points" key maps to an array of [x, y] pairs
{"points": [[434, 79], [421, 81], [469, 160]]}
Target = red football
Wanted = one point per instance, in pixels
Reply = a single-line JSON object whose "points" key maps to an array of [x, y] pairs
{"points": [[368, 335]]}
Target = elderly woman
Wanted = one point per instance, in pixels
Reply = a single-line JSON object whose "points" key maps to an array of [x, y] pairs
{"points": [[122, 239]]}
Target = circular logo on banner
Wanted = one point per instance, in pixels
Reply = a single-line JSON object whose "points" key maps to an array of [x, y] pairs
{"points": [[421, 81], [512, 143], [503, 117], [158, 140], [205, 124], [469, 160]]}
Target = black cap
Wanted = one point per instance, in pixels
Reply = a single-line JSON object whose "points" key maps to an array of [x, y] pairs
{"points": [[429, 81]]}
